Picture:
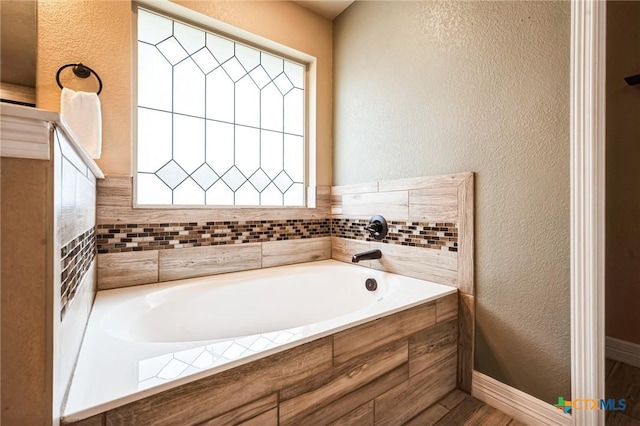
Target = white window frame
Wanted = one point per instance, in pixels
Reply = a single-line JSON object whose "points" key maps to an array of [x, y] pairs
{"points": [[241, 36]]}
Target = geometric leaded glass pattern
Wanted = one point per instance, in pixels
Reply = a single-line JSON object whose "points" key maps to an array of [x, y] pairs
{"points": [[219, 122]]}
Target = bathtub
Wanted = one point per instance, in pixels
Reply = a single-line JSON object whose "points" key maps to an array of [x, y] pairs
{"points": [[146, 339]]}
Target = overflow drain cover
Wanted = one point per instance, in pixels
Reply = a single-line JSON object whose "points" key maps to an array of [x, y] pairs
{"points": [[371, 284]]}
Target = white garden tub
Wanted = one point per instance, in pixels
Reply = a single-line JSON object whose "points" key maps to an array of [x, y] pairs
{"points": [[146, 339]]}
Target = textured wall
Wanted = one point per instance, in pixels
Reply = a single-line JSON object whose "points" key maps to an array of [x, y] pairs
{"points": [[425, 88], [98, 33], [623, 182]]}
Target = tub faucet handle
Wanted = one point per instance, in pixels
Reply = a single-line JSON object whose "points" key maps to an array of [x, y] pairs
{"points": [[377, 227]]}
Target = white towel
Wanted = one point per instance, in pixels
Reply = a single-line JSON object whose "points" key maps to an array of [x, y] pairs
{"points": [[81, 112]]}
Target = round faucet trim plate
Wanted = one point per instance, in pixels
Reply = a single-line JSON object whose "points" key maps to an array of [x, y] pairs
{"points": [[371, 284], [378, 228]]}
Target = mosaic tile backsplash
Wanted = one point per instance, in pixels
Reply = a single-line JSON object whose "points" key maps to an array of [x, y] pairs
{"points": [[112, 238], [137, 237], [75, 257], [442, 236]]}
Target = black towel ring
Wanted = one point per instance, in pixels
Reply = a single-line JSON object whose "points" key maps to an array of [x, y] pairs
{"points": [[81, 71]]}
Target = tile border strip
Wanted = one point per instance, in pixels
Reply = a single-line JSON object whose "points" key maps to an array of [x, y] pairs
{"points": [[437, 235], [160, 236], [75, 259], [120, 238]]}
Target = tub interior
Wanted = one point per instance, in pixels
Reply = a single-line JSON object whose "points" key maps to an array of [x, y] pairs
{"points": [[208, 309]]}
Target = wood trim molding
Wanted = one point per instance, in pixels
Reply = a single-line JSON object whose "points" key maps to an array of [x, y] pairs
{"points": [[466, 235], [24, 138], [623, 351], [588, 67], [515, 403], [466, 282], [25, 133]]}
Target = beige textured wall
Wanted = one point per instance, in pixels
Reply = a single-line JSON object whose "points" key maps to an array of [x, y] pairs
{"points": [[623, 181], [98, 33], [426, 88]]}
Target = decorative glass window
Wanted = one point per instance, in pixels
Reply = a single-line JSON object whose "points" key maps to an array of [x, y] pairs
{"points": [[219, 122]]}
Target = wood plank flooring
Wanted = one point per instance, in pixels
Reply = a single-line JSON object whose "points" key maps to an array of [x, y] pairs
{"points": [[459, 408], [623, 381]]}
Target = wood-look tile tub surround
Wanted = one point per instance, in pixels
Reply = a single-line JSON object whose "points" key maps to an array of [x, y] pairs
{"points": [[154, 245], [383, 372], [436, 202], [421, 213], [439, 202], [445, 200]]}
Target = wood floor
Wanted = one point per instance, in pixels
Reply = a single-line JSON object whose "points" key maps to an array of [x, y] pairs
{"points": [[623, 381], [458, 409]]}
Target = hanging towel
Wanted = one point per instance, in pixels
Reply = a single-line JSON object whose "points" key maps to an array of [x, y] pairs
{"points": [[81, 112]]}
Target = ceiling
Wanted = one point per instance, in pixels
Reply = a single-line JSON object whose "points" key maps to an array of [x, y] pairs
{"points": [[327, 8]]}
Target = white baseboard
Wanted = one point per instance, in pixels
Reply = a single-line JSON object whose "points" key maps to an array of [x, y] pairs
{"points": [[623, 351], [517, 404]]}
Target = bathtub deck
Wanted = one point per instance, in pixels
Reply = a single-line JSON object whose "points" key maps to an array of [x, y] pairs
{"points": [[390, 369]]}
